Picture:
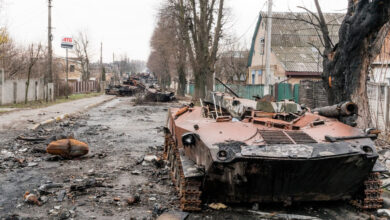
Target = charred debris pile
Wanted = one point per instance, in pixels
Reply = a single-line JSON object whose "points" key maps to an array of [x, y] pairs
{"points": [[133, 87]]}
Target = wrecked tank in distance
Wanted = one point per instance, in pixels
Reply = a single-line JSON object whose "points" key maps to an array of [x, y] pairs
{"points": [[156, 95], [129, 87], [235, 150]]}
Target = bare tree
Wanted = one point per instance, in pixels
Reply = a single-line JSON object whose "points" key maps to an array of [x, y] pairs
{"points": [[82, 51], [161, 60], [33, 54], [347, 62], [202, 23], [231, 65]]}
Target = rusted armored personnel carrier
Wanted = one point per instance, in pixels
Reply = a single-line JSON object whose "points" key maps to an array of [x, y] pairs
{"points": [[236, 150]]}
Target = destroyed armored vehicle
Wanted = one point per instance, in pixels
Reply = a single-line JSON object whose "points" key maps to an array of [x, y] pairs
{"points": [[155, 95], [112, 90], [235, 150], [129, 87]]}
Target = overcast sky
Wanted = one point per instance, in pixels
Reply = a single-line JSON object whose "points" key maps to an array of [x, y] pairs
{"points": [[125, 26]]}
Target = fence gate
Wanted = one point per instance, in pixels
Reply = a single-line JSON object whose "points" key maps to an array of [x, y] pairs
{"points": [[284, 91]]}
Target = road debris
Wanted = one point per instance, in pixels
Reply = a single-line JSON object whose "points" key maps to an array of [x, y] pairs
{"points": [[32, 139], [31, 199], [44, 189], [173, 216], [267, 215], [217, 206], [68, 148], [384, 213], [131, 200]]}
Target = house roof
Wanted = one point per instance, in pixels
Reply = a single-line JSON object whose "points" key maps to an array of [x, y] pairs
{"points": [[293, 39]]}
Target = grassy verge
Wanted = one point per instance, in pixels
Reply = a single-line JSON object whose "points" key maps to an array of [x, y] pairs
{"points": [[41, 104]]}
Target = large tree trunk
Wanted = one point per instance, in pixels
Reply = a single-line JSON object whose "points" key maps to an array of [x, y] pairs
{"points": [[181, 91], [346, 67]]}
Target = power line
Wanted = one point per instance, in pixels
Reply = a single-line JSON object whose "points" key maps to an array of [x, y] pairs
{"points": [[249, 28]]}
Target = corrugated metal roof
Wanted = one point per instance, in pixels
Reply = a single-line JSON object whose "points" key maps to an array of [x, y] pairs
{"points": [[293, 39]]}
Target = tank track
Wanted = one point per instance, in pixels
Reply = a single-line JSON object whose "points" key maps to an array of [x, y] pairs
{"points": [[189, 189], [371, 198]]}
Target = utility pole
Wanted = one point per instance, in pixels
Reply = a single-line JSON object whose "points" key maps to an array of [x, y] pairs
{"points": [[101, 54], [113, 67], [101, 60], [268, 77], [67, 74], [49, 76]]}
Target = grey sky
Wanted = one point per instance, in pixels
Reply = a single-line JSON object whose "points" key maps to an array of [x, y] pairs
{"points": [[124, 26]]}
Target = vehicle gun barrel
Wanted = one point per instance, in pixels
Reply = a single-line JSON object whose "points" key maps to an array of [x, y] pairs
{"points": [[342, 109]]}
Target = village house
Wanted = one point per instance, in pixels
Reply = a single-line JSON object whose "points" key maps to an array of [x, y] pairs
{"points": [[74, 71], [294, 48], [380, 70]]}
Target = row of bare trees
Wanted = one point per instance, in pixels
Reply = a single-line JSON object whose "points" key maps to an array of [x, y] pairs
{"points": [[186, 44]]}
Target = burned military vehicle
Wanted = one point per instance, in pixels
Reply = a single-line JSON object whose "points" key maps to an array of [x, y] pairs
{"points": [[156, 95], [235, 150], [129, 87]]}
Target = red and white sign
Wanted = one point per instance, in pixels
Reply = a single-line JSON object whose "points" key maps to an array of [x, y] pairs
{"points": [[67, 42]]}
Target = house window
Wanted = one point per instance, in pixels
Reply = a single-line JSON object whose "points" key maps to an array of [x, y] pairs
{"points": [[382, 91], [71, 68], [262, 43], [253, 76]]}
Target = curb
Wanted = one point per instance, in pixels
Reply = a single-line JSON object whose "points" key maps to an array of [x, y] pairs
{"points": [[65, 116]]}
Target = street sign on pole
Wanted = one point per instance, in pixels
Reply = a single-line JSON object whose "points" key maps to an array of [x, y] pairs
{"points": [[67, 42]]}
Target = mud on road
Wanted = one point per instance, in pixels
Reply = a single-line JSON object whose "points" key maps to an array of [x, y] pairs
{"points": [[120, 178]]}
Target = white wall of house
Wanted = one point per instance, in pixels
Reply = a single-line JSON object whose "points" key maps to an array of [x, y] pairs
{"points": [[381, 74], [13, 91], [258, 61]]}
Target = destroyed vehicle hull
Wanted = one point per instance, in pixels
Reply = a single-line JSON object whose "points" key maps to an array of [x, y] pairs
{"points": [[286, 180], [112, 91], [124, 90], [264, 159], [153, 95]]}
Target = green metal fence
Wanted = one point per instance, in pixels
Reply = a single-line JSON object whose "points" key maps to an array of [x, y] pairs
{"points": [[244, 91], [296, 93], [282, 91]]}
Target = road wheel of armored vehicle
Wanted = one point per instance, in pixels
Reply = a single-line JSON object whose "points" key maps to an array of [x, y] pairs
{"points": [[189, 189], [370, 198]]}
